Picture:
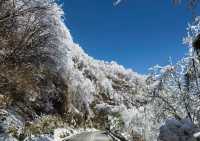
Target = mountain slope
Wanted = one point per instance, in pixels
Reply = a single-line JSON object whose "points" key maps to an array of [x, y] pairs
{"points": [[47, 79]]}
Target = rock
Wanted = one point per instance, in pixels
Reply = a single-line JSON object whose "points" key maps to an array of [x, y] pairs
{"points": [[175, 130]]}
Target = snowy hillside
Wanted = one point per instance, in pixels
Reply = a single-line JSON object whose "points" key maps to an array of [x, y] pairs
{"points": [[47, 78]]}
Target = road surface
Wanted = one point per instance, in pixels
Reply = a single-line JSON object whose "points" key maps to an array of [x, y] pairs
{"points": [[90, 136]]}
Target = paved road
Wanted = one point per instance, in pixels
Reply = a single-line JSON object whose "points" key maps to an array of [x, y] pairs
{"points": [[90, 136]]}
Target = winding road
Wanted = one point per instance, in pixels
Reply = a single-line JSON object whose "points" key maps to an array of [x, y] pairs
{"points": [[90, 136]]}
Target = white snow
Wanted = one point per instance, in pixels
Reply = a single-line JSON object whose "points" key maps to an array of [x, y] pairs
{"points": [[196, 135]]}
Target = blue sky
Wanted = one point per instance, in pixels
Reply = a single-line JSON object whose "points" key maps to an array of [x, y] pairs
{"points": [[137, 33]]}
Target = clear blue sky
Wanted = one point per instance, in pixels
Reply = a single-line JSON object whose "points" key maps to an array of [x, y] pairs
{"points": [[137, 33]]}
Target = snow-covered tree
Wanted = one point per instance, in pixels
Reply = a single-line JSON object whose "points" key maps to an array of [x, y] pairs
{"points": [[191, 3], [174, 89]]}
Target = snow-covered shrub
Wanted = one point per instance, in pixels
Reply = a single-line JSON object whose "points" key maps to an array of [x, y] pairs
{"points": [[43, 125]]}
